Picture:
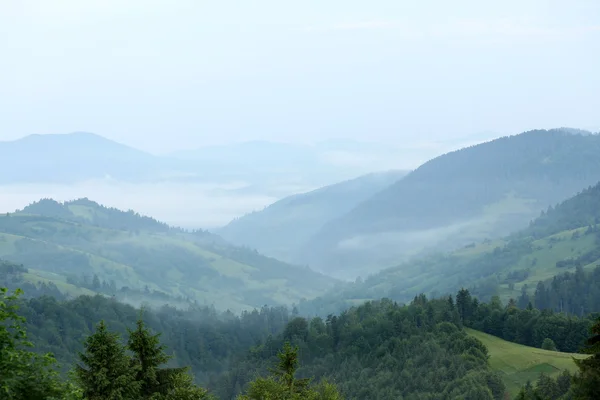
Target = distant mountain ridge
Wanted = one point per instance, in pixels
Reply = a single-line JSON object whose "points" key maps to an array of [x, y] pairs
{"points": [[71, 241], [486, 190], [278, 229], [57, 158], [80, 156]]}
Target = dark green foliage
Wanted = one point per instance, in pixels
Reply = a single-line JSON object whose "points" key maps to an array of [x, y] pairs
{"points": [[547, 388], [529, 326], [587, 382], [572, 292], [148, 356], [283, 384], [548, 344], [379, 348], [386, 351], [24, 375], [106, 371], [201, 337]]}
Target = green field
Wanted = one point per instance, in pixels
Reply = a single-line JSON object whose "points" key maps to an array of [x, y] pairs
{"points": [[518, 364]]}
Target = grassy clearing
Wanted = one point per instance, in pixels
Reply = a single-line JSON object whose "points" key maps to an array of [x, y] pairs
{"points": [[518, 364]]}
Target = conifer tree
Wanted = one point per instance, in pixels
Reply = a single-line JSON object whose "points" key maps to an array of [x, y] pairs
{"points": [[183, 388], [106, 372], [587, 382], [148, 356], [283, 384], [24, 375]]}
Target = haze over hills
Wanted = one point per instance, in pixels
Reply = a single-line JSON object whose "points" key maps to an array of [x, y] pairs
{"points": [[197, 188], [563, 239], [68, 243], [278, 229], [72, 157], [77, 156], [486, 190]]}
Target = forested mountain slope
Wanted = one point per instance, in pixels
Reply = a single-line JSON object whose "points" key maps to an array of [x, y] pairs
{"points": [[566, 238], [379, 349], [487, 190], [71, 243], [280, 228]]}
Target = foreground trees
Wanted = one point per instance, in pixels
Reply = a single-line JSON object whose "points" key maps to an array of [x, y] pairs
{"points": [[107, 372], [24, 374], [587, 383], [283, 384]]}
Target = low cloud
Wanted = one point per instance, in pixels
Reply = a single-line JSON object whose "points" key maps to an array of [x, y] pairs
{"points": [[186, 205]]}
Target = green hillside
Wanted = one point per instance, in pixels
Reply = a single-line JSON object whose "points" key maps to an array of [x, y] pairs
{"points": [[518, 364], [280, 228], [484, 191], [77, 240], [564, 239]]}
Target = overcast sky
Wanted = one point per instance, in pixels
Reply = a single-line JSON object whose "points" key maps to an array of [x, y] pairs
{"points": [[166, 75]]}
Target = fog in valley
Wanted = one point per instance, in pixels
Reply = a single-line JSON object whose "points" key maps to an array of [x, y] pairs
{"points": [[316, 200]]}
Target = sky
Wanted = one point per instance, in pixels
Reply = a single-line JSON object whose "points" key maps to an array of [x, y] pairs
{"points": [[175, 74]]}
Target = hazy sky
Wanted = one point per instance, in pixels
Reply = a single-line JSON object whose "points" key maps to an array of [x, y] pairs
{"points": [[165, 75]]}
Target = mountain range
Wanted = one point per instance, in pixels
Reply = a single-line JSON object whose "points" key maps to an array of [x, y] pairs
{"points": [[80, 245], [562, 239], [484, 191], [80, 156]]}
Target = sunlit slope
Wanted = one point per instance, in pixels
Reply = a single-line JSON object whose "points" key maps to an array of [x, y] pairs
{"points": [[146, 253], [518, 364]]}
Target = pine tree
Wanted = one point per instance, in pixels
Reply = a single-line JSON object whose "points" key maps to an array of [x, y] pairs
{"points": [[283, 384], [24, 374], [286, 370], [184, 389], [106, 372], [149, 355], [464, 305], [587, 382]]}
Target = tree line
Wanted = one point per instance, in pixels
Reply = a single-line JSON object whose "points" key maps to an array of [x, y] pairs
{"points": [[380, 349], [108, 369]]}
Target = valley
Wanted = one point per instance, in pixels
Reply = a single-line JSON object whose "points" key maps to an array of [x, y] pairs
{"points": [[310, 200], [507, 312]]}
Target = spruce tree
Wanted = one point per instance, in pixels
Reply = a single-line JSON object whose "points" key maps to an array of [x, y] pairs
{"points": [[106, 372], [587, 382], [148, 356], [24, 375], [283, 384]]}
